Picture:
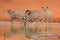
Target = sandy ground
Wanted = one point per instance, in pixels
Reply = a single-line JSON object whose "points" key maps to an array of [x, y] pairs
{"points": [[6, 25]]}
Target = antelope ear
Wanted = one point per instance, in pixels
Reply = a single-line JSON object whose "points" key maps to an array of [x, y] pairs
{"points": [[27, 10], [41, 7], [8, 9], [46, 7]]}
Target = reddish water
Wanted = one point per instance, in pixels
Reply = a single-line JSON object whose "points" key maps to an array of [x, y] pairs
{"points": [[5, 28]]}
